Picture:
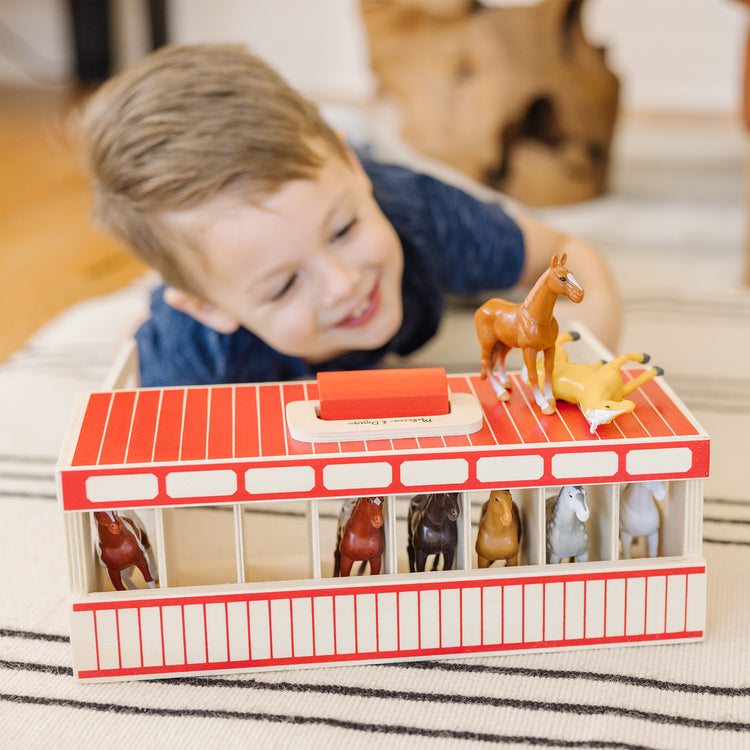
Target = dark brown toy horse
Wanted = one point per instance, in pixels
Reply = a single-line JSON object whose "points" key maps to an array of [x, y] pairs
{"points": [[359, 536], [122, 543], [531, 327], [499, 532], [432, 530]]}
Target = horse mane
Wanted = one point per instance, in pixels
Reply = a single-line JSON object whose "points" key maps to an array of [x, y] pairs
{"points": [[556, 502], [541, 281]]}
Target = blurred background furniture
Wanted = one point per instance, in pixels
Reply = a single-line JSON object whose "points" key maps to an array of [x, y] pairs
{"points": [[515, 96], [746, 123]]}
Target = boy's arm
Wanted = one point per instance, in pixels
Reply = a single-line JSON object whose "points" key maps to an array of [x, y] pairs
{"points": [[600, 309]]}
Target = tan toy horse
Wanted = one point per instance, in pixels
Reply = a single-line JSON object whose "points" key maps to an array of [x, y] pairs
{"points": [[597, 389], [531, 327], [499, 532]]}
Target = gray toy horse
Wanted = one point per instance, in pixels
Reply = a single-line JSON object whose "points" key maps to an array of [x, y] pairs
{"points": [[566, 530]]}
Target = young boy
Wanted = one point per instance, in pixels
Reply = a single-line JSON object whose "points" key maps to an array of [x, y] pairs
{"points": [[283, 254]]}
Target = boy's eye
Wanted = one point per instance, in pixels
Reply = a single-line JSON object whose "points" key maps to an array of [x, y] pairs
{"points": [[344, 230], [284, 289]]}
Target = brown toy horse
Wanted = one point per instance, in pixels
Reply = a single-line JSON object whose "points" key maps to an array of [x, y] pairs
{"points": [[122, 543], [359, 536], [530, 326], [432, 530], [499, 532]]}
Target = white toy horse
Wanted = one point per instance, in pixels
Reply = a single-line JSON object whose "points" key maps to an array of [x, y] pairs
{"points": [[566, 531], [639, 515]]}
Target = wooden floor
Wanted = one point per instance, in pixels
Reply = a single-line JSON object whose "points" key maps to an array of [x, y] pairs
{"points": [[50, 256]]}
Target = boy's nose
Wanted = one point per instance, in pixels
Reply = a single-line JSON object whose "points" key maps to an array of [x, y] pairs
{"points": [[338, 279]]}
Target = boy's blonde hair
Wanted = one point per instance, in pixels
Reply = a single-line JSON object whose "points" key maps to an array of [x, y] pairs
{"points": [[180, 126]]}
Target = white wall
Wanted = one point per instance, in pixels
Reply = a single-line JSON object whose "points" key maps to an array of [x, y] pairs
{"points": [[35, 42], [318, 46], [671, 55], [682, 55]]}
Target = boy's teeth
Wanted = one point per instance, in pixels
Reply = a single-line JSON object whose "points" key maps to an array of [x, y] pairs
{"points": [[361, 309]]}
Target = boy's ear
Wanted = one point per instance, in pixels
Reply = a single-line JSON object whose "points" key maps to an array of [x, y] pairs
{"points": [[353, 159], [202, 311]]}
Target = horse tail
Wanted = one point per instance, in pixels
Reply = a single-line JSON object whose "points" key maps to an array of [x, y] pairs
{"points": [[517, 517]]}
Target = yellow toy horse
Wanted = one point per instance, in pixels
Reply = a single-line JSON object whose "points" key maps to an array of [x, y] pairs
{"points": [[597, 389]]}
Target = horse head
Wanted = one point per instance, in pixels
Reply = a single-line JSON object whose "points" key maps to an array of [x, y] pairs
{"points": [[448, 502], [502, 505], [374, 507], [562, 281], [658, 490], [574, 496], [109, 520], [604, 412]]}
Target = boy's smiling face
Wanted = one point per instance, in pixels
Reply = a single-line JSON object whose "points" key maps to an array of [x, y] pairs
{"points": [[314, 269]]}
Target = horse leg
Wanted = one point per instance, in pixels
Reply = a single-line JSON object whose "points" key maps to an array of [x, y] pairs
{"points": [[336, 564], [486, 358], [114, 576], [619, 361], [500, 381], [420, 560], [653, 544], [512, 560], [631, 385], [549, 366], [150, 558], [142, 565], [375, 565], [412, 561], [448, 554], [627, 543], [544, 401], [483, 561], [583, 557], [346, 566]]}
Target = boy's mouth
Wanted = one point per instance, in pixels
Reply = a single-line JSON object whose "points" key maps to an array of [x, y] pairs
{"points": [[364, 311]]}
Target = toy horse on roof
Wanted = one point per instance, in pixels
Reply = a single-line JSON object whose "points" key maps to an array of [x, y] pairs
{"points": [[598, 388], [531, 327]]}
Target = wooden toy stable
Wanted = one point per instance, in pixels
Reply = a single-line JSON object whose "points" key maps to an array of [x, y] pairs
{"points": [[207, 465]]}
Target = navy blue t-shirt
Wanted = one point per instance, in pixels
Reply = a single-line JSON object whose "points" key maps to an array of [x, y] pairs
{"points": [[452, 243]]}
